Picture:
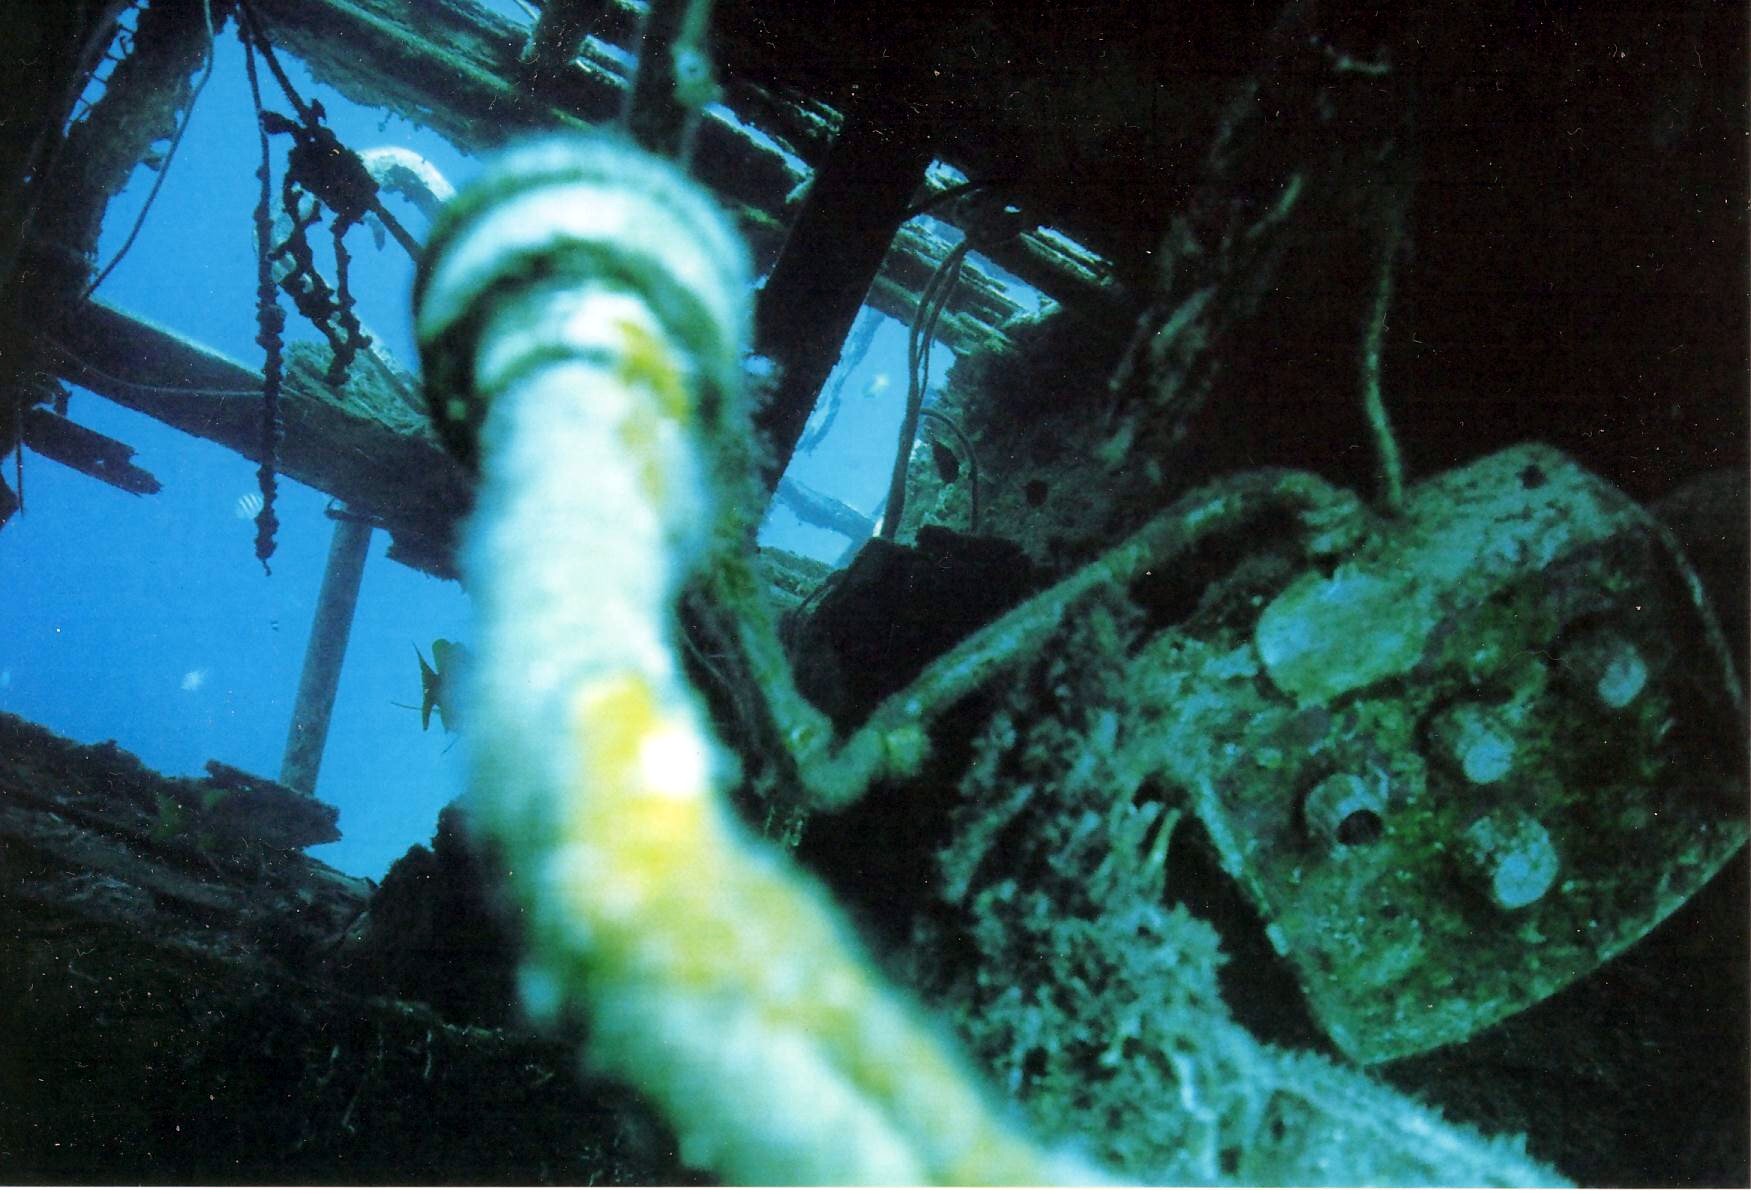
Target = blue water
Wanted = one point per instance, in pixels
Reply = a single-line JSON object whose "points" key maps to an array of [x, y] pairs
{"points": [[148, 620]]}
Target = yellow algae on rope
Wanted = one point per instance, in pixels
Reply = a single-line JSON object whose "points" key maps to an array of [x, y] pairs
{"points": [[642, 809], [648, 364], [706, 949], [647, 369]]}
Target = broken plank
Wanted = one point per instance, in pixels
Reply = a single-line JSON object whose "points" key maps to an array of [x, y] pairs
{"points": [[80, 448]]}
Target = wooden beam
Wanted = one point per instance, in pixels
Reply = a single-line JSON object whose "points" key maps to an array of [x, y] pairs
{"points": [[830, 259], [453, 67], [824, 510], [657, 115], [367, 443]]}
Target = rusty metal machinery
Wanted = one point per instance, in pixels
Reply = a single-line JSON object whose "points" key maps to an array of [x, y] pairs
{"points": [[1455, 773]]}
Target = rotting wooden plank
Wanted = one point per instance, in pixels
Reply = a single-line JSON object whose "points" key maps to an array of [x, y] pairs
{"points": [[143, 100], [366, 444], [803, 126], [1074, 274]]}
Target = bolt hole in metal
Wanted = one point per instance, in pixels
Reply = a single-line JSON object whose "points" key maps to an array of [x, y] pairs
{"points": [[1344, 811], [1360, 828]]}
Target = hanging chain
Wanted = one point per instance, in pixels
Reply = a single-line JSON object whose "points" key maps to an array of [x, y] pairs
{"points": [[270, 324]]}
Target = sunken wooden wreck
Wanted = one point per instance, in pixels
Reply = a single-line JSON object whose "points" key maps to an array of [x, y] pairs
{"points": [[1247, 226]]}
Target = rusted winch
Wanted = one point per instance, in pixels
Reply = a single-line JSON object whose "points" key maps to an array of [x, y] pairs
{"points": [[1489, 751]]}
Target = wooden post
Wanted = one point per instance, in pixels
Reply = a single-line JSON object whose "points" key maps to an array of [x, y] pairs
{"points": [[831, 256], [327, 649]]}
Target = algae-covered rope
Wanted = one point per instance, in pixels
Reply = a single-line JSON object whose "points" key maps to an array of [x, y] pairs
{"points": [[581, 316]]}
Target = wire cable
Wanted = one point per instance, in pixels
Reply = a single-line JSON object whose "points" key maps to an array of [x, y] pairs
{"points": [[923, 332]]}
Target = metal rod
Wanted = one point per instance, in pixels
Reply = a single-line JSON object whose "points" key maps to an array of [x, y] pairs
{"points": [[327, 649]]}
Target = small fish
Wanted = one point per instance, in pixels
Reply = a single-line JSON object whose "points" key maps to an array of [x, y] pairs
{"points": [[437, 681], [248, 506], [192, 681]]}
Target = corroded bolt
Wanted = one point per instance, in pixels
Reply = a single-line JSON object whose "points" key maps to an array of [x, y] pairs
{"points": [[1344, 810], [1475, 739], [1510, 856], [1607, 665]]}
